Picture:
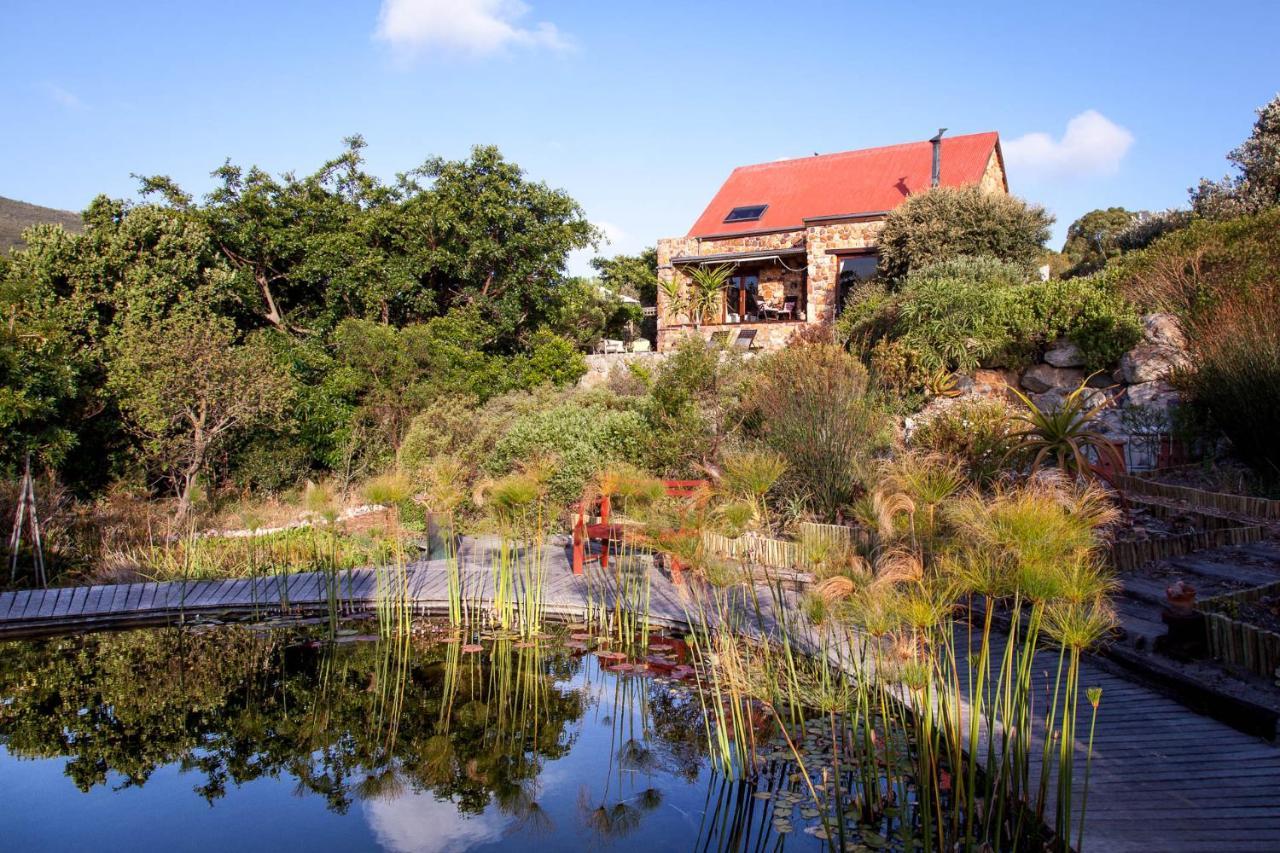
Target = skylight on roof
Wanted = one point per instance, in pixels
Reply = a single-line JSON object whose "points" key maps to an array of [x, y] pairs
{"points": [[746, 213]]}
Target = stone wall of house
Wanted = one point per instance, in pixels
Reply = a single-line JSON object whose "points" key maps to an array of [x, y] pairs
{"points": [[993, 179], [824, 268]]}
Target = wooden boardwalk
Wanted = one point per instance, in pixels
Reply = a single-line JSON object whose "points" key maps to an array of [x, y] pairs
{"points": [[1163, 779]]}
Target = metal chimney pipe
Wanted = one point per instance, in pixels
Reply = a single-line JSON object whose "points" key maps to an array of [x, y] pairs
{"points": [[936, 177]]}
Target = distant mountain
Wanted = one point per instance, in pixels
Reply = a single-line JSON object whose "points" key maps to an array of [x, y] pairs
{"points": [[17, 215]]}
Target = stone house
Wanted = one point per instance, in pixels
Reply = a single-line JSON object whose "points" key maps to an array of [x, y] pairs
{"points": [[798, 234]]}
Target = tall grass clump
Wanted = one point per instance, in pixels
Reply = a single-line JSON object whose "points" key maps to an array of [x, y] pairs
{"points": [[1234, 380], [914, 657], [811, 407]]}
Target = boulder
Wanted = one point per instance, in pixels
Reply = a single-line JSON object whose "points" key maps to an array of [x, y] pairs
{"points": [[1063, 353], [1157, 395], [992, 383], [1046, 377], [1149, 362], [1163, 329], [1162, 350]]}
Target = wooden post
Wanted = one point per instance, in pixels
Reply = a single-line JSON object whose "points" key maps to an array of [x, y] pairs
{"points": [[26, 513], [604, 543]]}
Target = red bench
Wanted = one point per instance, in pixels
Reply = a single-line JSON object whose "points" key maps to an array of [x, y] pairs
{"points": [[585, 532]]}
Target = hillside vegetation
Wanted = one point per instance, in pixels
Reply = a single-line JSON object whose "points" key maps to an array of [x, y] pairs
{"points": [[18, 215]]}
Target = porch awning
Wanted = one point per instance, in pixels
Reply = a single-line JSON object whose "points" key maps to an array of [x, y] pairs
{"points": [[736, 257]]}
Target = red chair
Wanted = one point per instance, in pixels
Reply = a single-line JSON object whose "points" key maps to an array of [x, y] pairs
{"points": [[585, 531]]}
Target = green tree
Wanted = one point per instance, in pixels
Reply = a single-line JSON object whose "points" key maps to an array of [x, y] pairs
{"points": [[39, 380], [949, 222], [1256, 184], [185, 385], [631, 275], [485, 236], [585, 311], [1091, 239]]}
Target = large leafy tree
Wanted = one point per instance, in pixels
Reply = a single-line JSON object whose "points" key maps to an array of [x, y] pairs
{"points": [[1256, 184], [1091, 239], [485, 237], [631, 275], [308, 252]]}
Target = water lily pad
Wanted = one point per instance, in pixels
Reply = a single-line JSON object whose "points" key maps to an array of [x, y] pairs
{"points": [[762, 795], [472, 648]]}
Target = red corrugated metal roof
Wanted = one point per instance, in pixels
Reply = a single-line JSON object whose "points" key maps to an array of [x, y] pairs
{"points": [[852, 182]]}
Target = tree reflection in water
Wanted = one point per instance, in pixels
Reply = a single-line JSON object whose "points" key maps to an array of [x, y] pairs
{"points": [[378, 719]]}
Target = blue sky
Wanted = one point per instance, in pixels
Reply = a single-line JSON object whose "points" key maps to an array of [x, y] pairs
{"points": [[639, 110]]}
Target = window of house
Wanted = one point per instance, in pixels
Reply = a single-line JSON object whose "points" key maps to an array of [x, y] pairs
{"points": [[746, 213], [854, 269]]}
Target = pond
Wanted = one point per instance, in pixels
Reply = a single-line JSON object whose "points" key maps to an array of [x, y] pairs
{"points": [[285, 736]]}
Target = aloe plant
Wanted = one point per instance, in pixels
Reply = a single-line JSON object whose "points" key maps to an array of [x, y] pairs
{"points": [[707, 286], [1062, 434]]}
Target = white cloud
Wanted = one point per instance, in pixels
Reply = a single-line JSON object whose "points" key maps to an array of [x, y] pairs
{"points": [[1091, 145], [419, 823], [476, 27], [62, 97]]}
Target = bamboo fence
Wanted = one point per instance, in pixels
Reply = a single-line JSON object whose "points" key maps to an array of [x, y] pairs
{"points": [[1238, 642], [755, 549], [1125, 556], [1261, 508]]}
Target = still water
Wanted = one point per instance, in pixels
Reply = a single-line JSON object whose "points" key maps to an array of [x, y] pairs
{"points": [[282, 737]]}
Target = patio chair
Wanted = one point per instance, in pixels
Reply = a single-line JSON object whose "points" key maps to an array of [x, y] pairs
{"points": [[746, 339], [640, 345], [720, 338], [609, 346], [788, 308]]}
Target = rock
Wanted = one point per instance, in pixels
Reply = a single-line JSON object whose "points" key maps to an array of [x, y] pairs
{"points": [[1049, 401], [1157, 395], [992, 383], [1163, 329], [1162, 350], [1063, 353], [1148, 362], [1046, 377]]}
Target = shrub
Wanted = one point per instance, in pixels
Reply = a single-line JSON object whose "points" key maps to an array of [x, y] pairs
{"points": [[1189, 269], [973, 431], [693, 406], [1087, 311], [580, 438], [948, 222], [962, 313], [812, 408]]}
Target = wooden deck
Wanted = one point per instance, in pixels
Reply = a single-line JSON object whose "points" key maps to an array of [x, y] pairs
{"points": [[1164, 778]]}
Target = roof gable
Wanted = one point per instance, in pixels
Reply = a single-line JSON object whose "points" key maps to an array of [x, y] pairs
{"points": [[871, 180]]}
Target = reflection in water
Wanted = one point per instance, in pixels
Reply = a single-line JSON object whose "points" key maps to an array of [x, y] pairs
{"points": [[442, 748]]}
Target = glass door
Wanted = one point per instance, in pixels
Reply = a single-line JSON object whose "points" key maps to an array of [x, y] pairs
{"points": [[742, 303]]}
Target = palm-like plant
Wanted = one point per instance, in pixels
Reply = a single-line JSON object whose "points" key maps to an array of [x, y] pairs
{"points": [[1063, 434], [674, 296], [707, 287]]}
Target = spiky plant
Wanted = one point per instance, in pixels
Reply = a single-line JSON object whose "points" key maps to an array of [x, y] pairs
{"points": [[674, 296], [749, 476], [1061, 435], [706, 290]]}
